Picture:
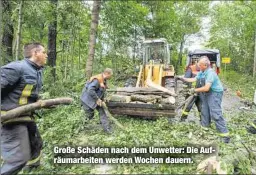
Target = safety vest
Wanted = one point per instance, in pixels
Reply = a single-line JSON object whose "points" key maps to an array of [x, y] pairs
{"points": [[100, 78]]}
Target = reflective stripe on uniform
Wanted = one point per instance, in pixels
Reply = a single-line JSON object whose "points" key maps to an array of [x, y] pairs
{"points": [[25, 94], [35, 160], [19, 119], [185, 113], [224, 134]]}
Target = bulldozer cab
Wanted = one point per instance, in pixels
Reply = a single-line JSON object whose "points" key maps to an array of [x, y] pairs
{"points": [[212, 54], [156, 51]]}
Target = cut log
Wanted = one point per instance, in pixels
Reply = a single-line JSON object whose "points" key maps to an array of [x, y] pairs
{"points": [[111, 117], [139, 90], [169, 100], [142, 109], [160, 88], [105, 108], [137, 102], [142, 112], [186, 102], [141, 106], [120, 98], [34, 106], [145, 98], [163, 94], [134, 89]]}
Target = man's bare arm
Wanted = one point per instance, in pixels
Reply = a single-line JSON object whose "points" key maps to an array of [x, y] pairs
{"points": [[190, 80], [205, 88]]}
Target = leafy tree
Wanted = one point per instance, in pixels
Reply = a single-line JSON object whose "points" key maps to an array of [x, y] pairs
{"points": [[93, 33], [233, 30]]}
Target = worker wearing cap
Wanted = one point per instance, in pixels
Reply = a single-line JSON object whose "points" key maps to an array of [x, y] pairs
{"points": [[211, 99], [93, 95]]}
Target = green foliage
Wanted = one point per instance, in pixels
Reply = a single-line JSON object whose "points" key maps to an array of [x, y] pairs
{"points": [[122, 27], [232, 32], [246, 84]]}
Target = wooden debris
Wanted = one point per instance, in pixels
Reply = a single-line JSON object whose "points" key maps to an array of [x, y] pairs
{"points": [[139, 90], [160, 88], [120, 98], [34, 106], [210, 164], [145, 98], [111, 117], [169, 100]]}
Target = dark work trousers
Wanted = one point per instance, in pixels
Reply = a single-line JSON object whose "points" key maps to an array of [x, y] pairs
{"points": [[211, 110], [19, 145], [103, 117]]}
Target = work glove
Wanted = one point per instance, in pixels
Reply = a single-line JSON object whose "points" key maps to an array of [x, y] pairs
{"points": [[99, 102], [192, 91], [181, 78]]}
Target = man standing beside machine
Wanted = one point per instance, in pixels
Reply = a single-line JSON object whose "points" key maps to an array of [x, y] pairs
{"points": [[212, 93]]}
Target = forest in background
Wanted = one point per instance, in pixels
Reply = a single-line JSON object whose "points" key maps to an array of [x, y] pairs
{"points": [[64, 27]]}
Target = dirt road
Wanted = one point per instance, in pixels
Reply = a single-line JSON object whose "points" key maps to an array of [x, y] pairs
{"points": [[230, 103]]}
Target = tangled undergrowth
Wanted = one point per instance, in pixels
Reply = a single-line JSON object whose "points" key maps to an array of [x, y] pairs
{"points": [[66, 126]]}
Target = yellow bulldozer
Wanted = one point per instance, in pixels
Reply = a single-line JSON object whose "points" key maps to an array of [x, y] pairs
{"points": [[151, 93]]}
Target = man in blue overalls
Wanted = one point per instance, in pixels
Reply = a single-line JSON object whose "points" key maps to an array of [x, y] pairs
{"points": [[212, 93]]}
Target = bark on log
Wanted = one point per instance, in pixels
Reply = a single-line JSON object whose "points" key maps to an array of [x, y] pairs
{"points": [[146, 98], [139, 90], [111, 117], [160, 88], [133, 89], [120, 98], [135, 139], [33, 106], [209, 168], [186, 102], [169, 100], [144, 93]]}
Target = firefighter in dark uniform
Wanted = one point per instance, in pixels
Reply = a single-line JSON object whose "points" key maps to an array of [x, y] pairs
{"points": [[191, 72], [21, 82], [93, 96]]}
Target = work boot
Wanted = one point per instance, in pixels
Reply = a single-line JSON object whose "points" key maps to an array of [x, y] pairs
{"points": [[183, 118], [226, 139]]}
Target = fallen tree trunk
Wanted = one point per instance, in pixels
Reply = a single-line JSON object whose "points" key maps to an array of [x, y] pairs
{"points": [[169, 100], [111, 117], [117, 123], [139, 90], [34, 106], [186, 102], [160, 88], [145, 98], [120, 98], [144, 93]]}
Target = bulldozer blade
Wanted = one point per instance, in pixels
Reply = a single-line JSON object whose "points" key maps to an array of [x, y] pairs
{"points": [[141, 109]]}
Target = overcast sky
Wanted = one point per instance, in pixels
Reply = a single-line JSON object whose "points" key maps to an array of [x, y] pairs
{"points": [[198, 41]]}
